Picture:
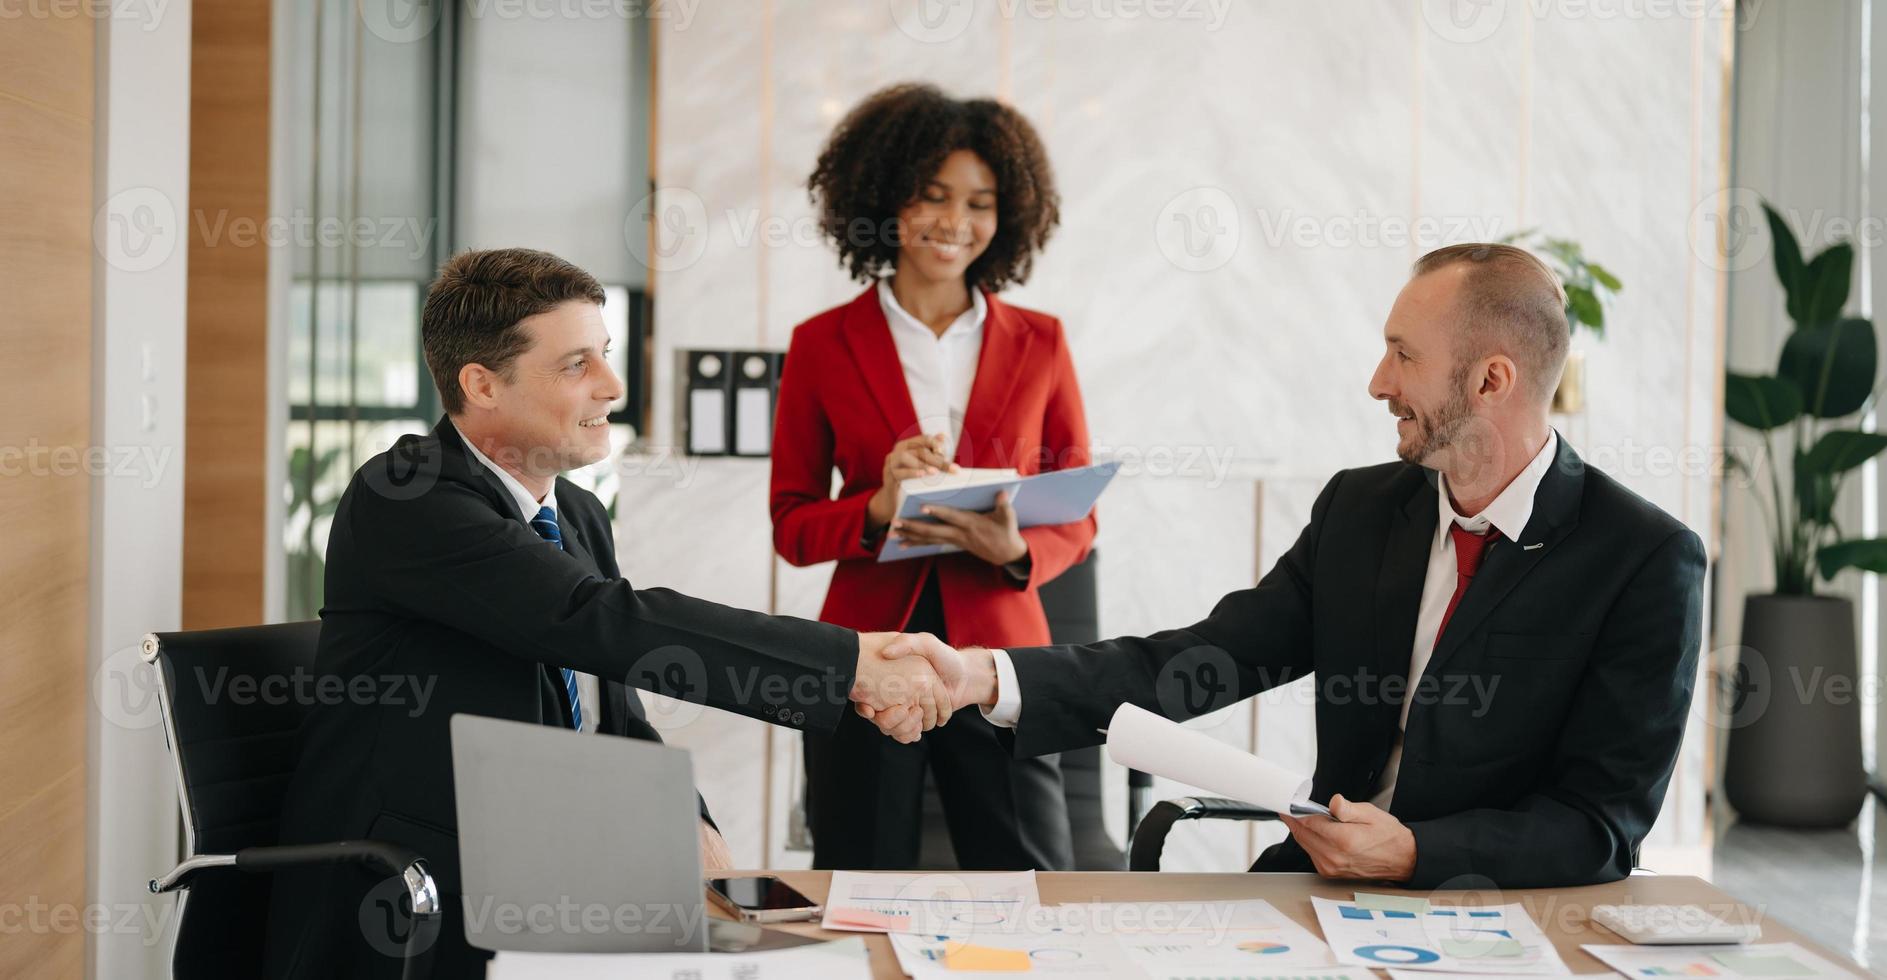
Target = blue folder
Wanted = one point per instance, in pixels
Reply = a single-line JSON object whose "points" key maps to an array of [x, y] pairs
{"points": [[1056, 497]]}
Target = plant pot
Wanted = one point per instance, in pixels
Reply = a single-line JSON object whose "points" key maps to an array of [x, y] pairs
{"points": [[1794, 714]]}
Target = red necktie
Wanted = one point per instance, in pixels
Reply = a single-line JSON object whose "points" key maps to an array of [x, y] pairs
{"points": [[1470, 548]]}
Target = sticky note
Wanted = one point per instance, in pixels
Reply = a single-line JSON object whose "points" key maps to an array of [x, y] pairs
{"points": [[866, 919], [964, 956], [1392, 903], [1761, 964]]}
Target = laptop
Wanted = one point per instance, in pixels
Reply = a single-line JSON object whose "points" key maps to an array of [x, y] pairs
{"points": [[576, 843]]}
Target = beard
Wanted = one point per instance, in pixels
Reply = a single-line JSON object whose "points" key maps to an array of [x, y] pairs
{"points": [[1440, 429]]}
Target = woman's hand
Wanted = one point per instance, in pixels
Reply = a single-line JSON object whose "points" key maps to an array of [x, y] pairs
{"points": [[993, 537], [916, 456]]}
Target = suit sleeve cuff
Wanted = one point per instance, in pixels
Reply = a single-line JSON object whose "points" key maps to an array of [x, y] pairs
{"points": [[1008, 709]]}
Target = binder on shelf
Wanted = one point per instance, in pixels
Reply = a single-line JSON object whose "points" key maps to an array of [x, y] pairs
{"points": [[755, 386], [707, 391]]}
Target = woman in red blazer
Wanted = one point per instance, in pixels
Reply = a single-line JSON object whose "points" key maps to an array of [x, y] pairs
{"points": [[927, 370]]}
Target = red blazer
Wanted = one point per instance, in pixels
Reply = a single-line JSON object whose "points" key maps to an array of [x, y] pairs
{"points": [[843, 403]]}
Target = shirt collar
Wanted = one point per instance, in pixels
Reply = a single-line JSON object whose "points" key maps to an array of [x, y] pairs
{"points": [[967, 323], [528, 505], [1513, 507]]}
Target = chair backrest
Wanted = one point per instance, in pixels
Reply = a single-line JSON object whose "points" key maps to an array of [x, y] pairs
{"points": [[233, 702], [1073, 607]]}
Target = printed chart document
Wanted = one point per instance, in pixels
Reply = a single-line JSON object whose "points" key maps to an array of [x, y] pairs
{"points": [[846, 959], [1208, 938], [1055, 497], [1493, 940], [1138, 940], [942, 903], [1433, 975], [1139, 739], [1769, 961]]}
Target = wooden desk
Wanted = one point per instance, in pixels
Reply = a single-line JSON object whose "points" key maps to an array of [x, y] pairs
{"points": [[1563, 913]]}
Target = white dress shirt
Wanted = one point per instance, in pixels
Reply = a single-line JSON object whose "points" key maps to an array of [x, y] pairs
{"points": [[938, 369], [589, 693], [1508, 514]]}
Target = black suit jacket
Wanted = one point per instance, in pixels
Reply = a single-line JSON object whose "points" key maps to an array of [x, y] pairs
{"points": [[435, 579], [1547, 722]]}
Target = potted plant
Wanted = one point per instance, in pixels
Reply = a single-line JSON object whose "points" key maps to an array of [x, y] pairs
{"points": [[1794, 753], [1589, 287]]}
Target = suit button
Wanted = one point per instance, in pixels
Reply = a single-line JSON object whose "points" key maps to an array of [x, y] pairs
{"points": [[799, 717], [766, 709]]}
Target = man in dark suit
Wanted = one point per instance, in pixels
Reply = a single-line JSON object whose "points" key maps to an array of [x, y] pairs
{"points": [[1504, 639], [461, 565]]}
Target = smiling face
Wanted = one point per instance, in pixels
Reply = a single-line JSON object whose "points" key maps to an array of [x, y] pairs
{"points": [[549, 411], [950, 222], [1427, 391]]}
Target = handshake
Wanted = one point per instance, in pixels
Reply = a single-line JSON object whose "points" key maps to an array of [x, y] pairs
{"points": [[909, 683]]}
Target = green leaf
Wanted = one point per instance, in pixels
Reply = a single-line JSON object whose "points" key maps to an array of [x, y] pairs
{"points": [[1814, 494], [1604, 277], [1822, 290], [1832, 364], [1866, 554], [1842, 450], [1788, 254], [1584, 307], [1760, 402]]}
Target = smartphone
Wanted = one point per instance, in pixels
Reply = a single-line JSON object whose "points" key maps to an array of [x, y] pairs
{"points": [[762, 898]]}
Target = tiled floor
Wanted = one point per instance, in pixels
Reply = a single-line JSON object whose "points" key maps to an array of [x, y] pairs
{"points": [[1828, 885]]}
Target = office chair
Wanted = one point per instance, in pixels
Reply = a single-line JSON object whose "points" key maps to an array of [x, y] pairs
{"points": [[1149, 839], [1071, 603], [234, 754]]}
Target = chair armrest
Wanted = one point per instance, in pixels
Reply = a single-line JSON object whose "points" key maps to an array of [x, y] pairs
{"points": [[379, 855], [1149, 838], [421, 891]]}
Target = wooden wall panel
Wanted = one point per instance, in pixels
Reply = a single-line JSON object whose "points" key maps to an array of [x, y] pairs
{"points": [[46, 255], [226, 402]]}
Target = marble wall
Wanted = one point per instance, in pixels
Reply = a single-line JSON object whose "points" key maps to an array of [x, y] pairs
{"points": [[1244, 186]]}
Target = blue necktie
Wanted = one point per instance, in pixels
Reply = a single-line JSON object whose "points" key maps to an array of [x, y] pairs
{"points": [[545, 524]]}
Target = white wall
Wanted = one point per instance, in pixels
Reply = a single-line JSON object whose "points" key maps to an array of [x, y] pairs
{"points": [[142, 184], [1316, 135]]}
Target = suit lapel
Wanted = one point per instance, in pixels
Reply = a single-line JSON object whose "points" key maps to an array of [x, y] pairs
{"points": [[1005, 351], [868, 337], [572, 531], [1400, 575], [1555, 514]]}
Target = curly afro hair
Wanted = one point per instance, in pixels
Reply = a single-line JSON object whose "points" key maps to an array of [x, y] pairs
{"points": [[884, 152]]}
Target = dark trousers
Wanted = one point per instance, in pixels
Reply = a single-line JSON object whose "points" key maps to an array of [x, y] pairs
{"points": [[865, 792]]}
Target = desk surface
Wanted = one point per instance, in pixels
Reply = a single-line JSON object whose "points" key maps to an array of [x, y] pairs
{"points": [[1563, 913]]}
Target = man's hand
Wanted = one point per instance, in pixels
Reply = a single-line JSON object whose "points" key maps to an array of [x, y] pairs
{"points": [[714, 853], [993, 537], [1362, 842], [968, 676], [887, 680]]}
